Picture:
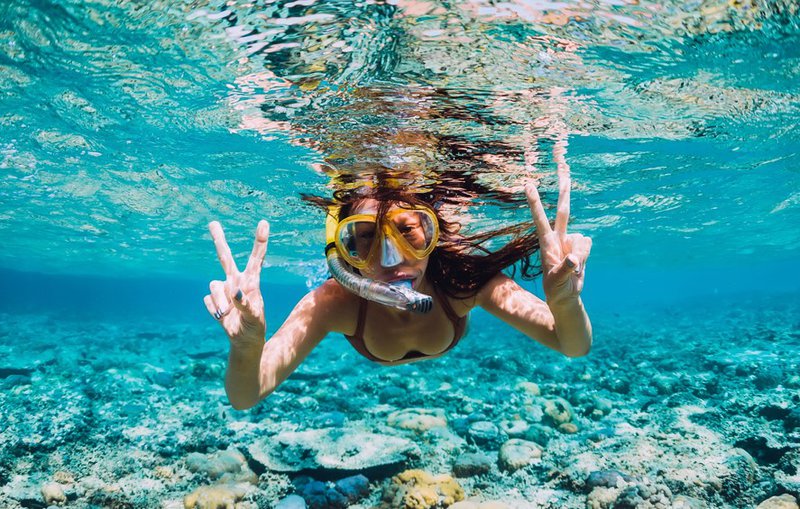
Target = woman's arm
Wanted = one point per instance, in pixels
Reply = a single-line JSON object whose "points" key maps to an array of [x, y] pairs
{"points": [[255, 372], [561, 322], [563, 327], [256, 368]]}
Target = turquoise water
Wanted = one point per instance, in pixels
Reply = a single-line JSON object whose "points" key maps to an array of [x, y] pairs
{"points": [[125, 127]]}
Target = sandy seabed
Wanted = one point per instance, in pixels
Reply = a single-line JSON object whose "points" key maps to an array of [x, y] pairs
{"points": [[682, 408]]}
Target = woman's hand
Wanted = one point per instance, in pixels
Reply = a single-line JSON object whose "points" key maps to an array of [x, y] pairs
{"points": [[236, 302], [563, 255]]}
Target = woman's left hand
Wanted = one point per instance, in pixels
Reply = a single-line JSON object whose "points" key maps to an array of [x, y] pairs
{"points": [[563, 255]]}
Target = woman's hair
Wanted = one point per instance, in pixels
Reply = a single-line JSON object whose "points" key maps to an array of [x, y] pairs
{"points": [[461, 264]]}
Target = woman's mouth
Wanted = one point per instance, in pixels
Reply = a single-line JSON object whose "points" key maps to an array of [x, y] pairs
{"points": [[402, 277]]}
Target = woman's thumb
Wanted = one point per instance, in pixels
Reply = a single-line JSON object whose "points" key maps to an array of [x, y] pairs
{"points": [[241, 303], [568, 266]]}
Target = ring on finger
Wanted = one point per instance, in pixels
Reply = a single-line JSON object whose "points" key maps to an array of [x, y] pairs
{"points": [[222, 313]]}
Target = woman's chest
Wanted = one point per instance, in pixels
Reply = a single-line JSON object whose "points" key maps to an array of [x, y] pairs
{"points": [[391, 338]]}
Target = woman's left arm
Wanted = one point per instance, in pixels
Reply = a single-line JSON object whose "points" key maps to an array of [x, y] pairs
{"points": [[560, 322], [564, 328]]}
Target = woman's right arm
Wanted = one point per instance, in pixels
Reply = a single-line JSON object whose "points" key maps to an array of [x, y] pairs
{"points": [[256, 368], [254, 372]]}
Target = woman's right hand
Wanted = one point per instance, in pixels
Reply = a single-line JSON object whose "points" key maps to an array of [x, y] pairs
{"points": [[236, 303]]}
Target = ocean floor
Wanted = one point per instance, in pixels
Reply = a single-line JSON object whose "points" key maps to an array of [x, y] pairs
{"points": [[697, 406]]}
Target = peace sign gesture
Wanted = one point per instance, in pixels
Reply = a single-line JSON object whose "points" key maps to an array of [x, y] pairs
{"points": [[563, 255], [236, 302]]}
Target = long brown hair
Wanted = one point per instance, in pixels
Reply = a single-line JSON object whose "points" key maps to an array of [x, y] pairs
{"points": [[461, 264]]}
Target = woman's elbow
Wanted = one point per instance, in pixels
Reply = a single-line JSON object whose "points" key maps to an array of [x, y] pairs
{"points": [[577, 350], [577, 353], [241, 405], [244, 403]]}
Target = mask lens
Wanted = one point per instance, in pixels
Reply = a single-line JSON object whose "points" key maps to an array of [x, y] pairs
{"points": [[414, 232], [356, 238], [416, 229]]}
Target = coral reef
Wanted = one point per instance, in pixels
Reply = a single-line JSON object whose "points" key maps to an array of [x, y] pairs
{"points": [[417, 489], [124, 426]]}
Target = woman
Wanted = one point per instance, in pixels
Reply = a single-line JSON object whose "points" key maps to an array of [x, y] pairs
{"points": [[388, 253]]}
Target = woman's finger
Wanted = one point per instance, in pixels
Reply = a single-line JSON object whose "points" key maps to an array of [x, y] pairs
{"points": [[537, 211], [565, 269], [586, 249], [244, 305], [211, 307], [256, 260], [223, 250], [220, 297], [564, 184], [580, 248]]}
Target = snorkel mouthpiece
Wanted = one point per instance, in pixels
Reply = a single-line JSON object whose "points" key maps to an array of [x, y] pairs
{"points": [[398, 294], [414, 301]]}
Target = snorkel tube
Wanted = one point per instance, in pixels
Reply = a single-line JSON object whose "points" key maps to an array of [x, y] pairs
{"points": [[400, 295]]}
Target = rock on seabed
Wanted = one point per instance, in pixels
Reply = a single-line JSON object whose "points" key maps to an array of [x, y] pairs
{"points": [[331, 449]]}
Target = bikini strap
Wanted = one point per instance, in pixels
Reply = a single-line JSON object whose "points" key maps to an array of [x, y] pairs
{"points": [[357, 339], [362, 318]]}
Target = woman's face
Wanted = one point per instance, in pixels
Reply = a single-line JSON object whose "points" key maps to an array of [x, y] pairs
{"points": [[395, 264]]}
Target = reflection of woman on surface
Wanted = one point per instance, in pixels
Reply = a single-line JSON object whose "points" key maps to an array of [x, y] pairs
{"points": [[395, 249]]}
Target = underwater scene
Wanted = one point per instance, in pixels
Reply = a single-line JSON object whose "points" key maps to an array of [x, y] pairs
{"points": [[666, 132]]}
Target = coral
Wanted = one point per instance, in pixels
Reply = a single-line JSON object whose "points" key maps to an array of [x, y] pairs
{"points": [[528, 388], [686, 502], [644, 495], [741, 473], [331, 449], [469, 504], [417, 419], [163, 472], [228, 466], [568, 427], [417, 489], [220, 496], [517, 453], [784, 501], [602, 498], [63, 477], [9, 503], [273, 486], [607, 479], [558, 411], [514, 428], [53, 494]]}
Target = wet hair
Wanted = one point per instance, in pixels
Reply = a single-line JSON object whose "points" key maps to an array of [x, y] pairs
{"points": [[461, 264]]}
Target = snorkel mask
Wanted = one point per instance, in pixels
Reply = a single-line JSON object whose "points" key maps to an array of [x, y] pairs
{"points": [[358, 240]]}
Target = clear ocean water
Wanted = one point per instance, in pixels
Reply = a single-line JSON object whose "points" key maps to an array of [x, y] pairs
{"points": [[126, 126]]}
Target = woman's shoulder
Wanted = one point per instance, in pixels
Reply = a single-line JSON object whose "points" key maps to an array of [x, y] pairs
{"points": [[460, 303], [464, 303], [340, 305]]}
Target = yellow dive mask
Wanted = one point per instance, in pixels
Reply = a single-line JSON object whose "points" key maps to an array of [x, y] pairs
{"points": [[405, 231]]}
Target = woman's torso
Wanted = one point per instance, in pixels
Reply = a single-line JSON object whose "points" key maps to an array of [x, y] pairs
{"points": [[390, 338]]}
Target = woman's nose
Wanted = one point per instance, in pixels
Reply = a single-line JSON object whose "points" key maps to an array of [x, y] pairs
{"points": [[390, 255]]}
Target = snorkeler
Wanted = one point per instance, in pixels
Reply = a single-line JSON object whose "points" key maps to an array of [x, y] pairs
{"points": [[401, 289]]}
